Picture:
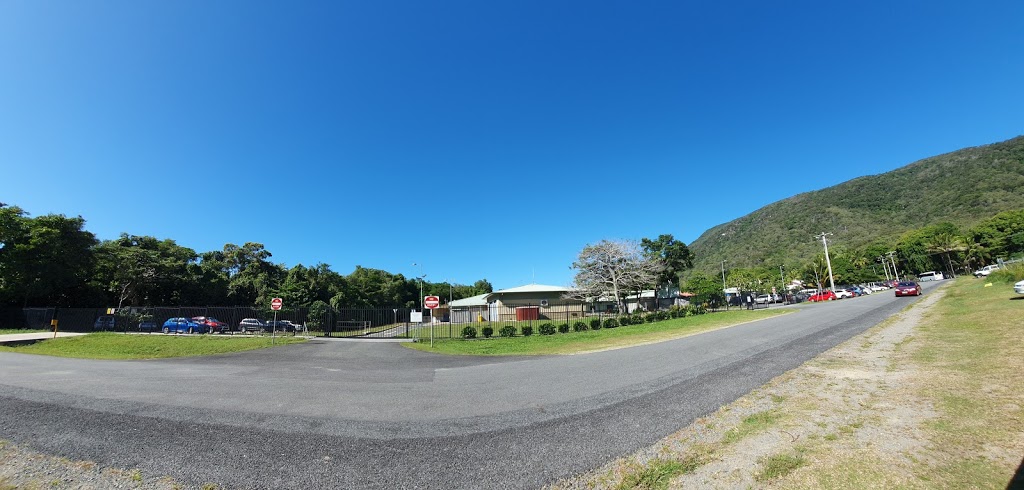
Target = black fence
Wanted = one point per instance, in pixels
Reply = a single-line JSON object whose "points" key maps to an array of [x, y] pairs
{"points": [[346, 322]]}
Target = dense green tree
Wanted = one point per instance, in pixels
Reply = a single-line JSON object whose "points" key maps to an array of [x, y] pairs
{"points": [[44, 261], [706, 290], [999, 236], [143, 270], [674, 256]]}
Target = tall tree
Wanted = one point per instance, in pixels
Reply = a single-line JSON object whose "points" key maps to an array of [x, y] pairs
{"points": [[673, 254], [45, 261], [612, 269]]}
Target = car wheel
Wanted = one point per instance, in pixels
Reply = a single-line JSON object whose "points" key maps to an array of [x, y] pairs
{"points": [[167, 330], [190, 330]]}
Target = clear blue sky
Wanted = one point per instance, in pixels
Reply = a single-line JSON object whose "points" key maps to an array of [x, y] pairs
{"points": [[482, 139]]}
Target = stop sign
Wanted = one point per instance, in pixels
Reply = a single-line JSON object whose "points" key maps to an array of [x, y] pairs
{"points": [[431, 302], [275, 304]]}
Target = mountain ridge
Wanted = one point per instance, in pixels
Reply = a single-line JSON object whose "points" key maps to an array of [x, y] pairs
{"points": [[962, 187]]}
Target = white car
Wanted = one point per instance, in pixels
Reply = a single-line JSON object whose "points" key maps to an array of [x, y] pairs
{"points": [[985, 271], [842, 293], [1019, 287]]}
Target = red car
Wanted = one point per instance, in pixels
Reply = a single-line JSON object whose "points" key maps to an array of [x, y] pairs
{"points": [[908, 288], [213, 325], [823, 296]]}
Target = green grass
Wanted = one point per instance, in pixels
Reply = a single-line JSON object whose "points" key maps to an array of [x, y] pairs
{"points": [[655, 475], [752, 424], [973, 356], [106, 345], [589, 340], [779, 465]]}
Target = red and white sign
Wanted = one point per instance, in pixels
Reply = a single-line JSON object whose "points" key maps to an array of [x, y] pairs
{"points": [[431, 302], [275, 304]]}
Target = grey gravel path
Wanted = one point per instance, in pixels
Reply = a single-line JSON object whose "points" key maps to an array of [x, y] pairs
{"points": [[370, 415]]}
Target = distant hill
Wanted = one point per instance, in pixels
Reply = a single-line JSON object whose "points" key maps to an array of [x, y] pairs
{"points": [[962, 187]]}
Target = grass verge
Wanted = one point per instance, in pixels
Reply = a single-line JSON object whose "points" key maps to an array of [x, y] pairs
{"points": [[106, 345], [593, 340]]}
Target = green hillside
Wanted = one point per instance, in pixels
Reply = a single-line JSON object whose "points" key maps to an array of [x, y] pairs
{"points": [[962, 187]]}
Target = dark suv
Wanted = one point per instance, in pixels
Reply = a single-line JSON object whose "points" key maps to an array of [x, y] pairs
{"points": [[251, 325]]}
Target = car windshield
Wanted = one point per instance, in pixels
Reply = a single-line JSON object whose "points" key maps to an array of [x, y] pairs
{"points": [[907, 284]]}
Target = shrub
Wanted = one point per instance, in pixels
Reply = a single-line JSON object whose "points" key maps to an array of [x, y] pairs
{"points": [[469, 333], [487, 331], [546, 329], [579, 327], [595, 324], [610, 323], [651, 317], [507, 331], [527, 330], [662, 315], [563, 328]]}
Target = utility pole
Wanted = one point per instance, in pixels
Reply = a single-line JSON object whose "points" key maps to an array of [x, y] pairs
{"points": [[421, 277], [724, 295], [885, 266], [895, 272], [828, 261], [782, 275]]}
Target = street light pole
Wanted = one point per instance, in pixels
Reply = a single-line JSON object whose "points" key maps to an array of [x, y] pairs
{"points": [[421, 277], [828, 261], [724, 294]]}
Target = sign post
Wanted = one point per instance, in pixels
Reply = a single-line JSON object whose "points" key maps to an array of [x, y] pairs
{"points": [[431, 302], [275, 304]]}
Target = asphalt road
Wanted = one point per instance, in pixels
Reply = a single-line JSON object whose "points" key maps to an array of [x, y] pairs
{"points": [[328, 414]]}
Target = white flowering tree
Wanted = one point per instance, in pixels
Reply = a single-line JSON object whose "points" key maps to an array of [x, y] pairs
{"points": [[613, 269]]}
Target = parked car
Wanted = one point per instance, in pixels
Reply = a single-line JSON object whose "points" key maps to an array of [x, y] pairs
{"points": [[843, 293], [148, 326], [183, 325], [280, 325], [251, 325], [105, 322], [213, 325], [908, 288], [985, 271], [1019, 287], [825, 295]]}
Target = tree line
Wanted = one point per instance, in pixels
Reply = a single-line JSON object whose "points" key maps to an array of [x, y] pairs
{"points": [[612, 270], [941, 247], [52, 260]]}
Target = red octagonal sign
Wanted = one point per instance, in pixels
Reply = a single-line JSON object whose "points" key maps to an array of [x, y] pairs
{"points": [[431, 302], [275, 304]]}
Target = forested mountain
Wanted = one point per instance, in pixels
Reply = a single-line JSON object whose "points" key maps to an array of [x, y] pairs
{"points": [[963, 188]]}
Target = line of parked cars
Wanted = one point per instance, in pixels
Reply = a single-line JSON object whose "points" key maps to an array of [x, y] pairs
{"points": [[200, 324], [846, 292]]}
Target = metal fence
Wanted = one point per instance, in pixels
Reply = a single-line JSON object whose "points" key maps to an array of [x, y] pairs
{"points": [[345, 322]]}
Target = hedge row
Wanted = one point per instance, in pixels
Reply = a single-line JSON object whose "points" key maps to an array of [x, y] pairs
{"points": [[549, 328]]}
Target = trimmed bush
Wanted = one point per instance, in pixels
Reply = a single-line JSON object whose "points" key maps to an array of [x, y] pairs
{"points": [[545, 329], [651, 317], [625, 320], [507, 331], [487, 331], [469, 333], [527, 330], [579, 327], [595, 324], [610, 323], [563, 328]]}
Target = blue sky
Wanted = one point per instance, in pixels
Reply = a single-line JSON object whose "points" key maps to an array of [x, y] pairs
{"points": [[479, 139]]}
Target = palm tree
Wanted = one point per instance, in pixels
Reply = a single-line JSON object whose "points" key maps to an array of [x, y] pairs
{"points": [[946, 243]]}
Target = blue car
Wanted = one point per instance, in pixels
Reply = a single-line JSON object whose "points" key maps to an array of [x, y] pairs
{"points": [[183, 325]]}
